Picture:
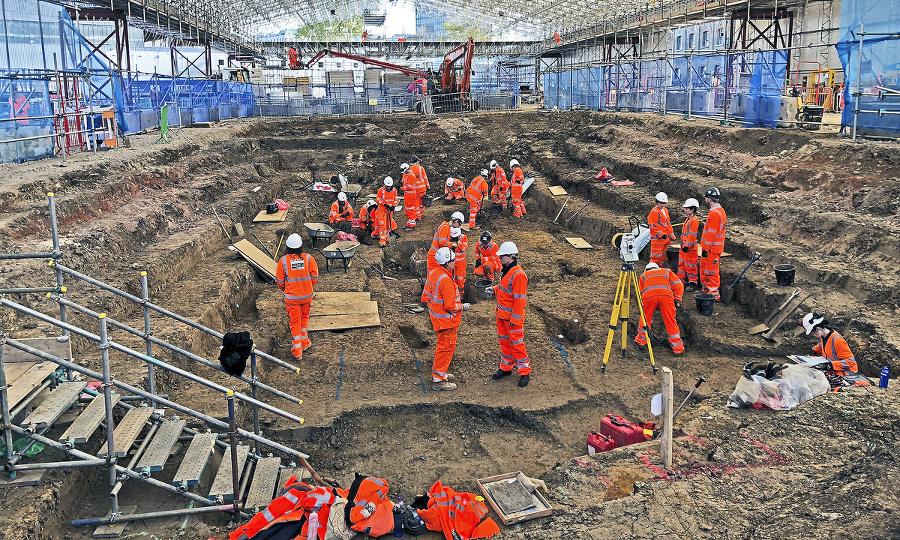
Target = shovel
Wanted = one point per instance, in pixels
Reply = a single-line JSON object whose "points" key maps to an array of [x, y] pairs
{"points": [[728, 290], [238, 228]]}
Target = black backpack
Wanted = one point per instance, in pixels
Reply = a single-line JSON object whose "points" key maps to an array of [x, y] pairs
{"points": [[236, 348]]}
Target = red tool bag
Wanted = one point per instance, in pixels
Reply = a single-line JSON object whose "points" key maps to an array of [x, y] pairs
{"points": [[622, 431], [599, 443]]}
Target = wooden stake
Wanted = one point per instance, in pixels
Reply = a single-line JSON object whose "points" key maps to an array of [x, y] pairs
{"points": [[561, 209], [665, 441]]}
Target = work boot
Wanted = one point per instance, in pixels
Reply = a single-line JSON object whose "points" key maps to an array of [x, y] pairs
{"points": [[523, 380], [443, 385], [500, 374], [451, 377]]}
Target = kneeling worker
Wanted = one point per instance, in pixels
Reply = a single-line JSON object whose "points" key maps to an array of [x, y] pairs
{"points": [[341, 213], [660, 289], [831, 345], [296, 275], [444, 306], [453, 189], [511, 297]]}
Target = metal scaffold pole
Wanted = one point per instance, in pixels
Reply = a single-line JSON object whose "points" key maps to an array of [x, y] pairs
{"points": [[110, 425], [151, 376]]}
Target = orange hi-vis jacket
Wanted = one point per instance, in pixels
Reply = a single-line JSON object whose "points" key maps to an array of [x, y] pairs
{"points": [[419, 172], [441, 238], [488, 255], [336, 215], [410, 183], [511, 296], [714, 231], [287, 516], [365, 216], [456, 189], [689, 232], [660, 223], [478, 189], [457, 514], [364, 491], [661, 282], [501, 185], [295, 276], [387, 198], [518, 177], [442, 296], [834, 347]]}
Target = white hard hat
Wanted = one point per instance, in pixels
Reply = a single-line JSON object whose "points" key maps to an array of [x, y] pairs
{"points": [[342, 196], [493, 164], [811, 320], [691, 203], [662, 197], [507, 248], [458, 216], [484, 172], [455, 232], [404, 166], [513, 163], [388, 181], [370, 203], [294, 241], [450, 181], [651, 266], [443, 255]]}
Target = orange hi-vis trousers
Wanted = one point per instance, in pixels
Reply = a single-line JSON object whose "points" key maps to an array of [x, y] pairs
{"points": [[709, 273], [658, 251], [687, 266], [411, 207], [518, 206], [512, 347], [386, 224], [443, 353], [666, 306], [299, 317]]}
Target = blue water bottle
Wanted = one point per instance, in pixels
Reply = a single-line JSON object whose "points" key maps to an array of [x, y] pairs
{"points": [[398, 518], [885, 375]]}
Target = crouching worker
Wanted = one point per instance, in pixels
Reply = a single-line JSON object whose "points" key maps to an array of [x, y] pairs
{"points": [[660, 289], [832, 346], [296, 275], [444, 306], [453, 189]]}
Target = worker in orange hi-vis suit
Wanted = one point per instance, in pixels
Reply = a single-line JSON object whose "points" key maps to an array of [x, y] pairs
{"points": [[661, 233], [712, 243], [838, 356], [296, 274], [475, 194], [442, 237], [411, 199], [453, 189], [444, 306], [459, 244], [422, 184], [341, 213], [486, 260], [660, 289], [500, 186], [687, 262], [387, 201], [517, 188], [512, 293], [368, 218]]}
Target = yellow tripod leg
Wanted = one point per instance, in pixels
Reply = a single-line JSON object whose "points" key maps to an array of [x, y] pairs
{"points": [[643, 320], [626, 311], [614, 319]]}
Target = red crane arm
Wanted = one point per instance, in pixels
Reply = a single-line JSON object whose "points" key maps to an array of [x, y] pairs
{"points": [[465, 49], [370, 61]]}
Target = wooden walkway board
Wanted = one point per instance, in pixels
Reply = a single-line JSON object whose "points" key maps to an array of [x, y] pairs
{"points": [[256, 257], [222, 485], [262, 488], [195, 460], [557, 191], [23, 384], [56, 403], [59, 349], [88, 421], [579, 243], [342, 311], [157, 452], [127, 431], [263, 217]]}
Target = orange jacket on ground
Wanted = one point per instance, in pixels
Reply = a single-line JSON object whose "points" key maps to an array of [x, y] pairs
{"points": [[287, 516], [714, 231], [295, 276], [368, 509], [442, 296], [462, 513], [339, 214], [422, 178], [689, 232], [660, 223], [456, 189], [488, 255], [477, 190], [511, 296], [834, 347], [661, 282]]}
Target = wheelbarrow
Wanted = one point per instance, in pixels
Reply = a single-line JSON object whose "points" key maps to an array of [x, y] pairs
{"points": [[318, 231], [339, 251]]}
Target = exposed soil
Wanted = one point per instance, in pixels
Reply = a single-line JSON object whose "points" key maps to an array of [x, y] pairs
{"points": [[827, 206]]}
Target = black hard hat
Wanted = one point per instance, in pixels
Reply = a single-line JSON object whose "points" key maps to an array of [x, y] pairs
{"points": [[713, 193], [414, 159], [486, 237]]}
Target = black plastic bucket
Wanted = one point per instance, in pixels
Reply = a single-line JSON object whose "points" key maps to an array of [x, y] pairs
{"points": [[784, 274], [426, 200], [480, 286], [705, 303], [672, 254]]}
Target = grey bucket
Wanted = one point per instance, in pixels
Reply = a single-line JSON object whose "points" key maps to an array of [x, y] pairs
{"points": [[705, 303], [480, 286], [784, 274]]}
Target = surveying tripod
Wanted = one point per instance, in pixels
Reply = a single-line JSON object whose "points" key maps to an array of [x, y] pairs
{"points": [[620, 312]]}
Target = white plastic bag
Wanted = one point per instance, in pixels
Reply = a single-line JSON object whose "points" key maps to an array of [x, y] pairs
{"points": [[795, 385]]}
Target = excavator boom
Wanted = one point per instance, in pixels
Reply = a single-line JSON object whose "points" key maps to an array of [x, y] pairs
{"points": [[369, 61]]}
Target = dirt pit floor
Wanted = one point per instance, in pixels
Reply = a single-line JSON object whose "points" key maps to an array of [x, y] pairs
{"points": [[827, 206]]}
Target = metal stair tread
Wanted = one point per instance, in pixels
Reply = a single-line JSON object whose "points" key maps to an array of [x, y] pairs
{"points": [[88, 421], [59, 400], [127, 431], [157, 452], [195, 460], [262, 488], [222, 485]]}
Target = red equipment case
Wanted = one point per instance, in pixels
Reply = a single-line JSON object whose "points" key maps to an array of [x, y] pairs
{"points": [[599, 443], [622, 431]]}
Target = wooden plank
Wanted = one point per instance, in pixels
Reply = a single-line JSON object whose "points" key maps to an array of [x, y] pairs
{"points": [[792, 306], [263, 217], [331, 310], [556, 191], [88, 421], [758, 329], [14, 371], [665, 440], [344, 322], [195, 460], [127, 431], [59, 400], [579, 243], [157, 452], [222, 485], [262, 488], [256, 257], [22, 479], [52, 346], [114, 530], [28, 381], [341, 297]]}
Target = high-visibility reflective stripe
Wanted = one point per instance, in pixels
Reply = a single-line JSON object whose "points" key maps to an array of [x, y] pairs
{"points": [[515, 316], [291, 497], [295, 280], [655, 287], [268, 515], [516, 342], [292, 297], [504, 308]]}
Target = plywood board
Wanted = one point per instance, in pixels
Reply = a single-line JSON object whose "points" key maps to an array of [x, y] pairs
{"points": [[579, 243], [556, 191], [256, 257], [48, 345], [263, 217], [22, 479], [342, 309], [348, 298], [344, 322], [28, 381]]}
